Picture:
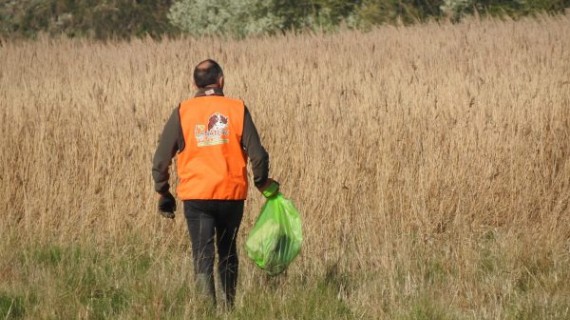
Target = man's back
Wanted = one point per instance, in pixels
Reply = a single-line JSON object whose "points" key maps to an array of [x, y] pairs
{"points": [[212, 165]]}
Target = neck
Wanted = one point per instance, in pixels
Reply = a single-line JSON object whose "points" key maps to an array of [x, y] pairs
{"points": [[209, 91]]}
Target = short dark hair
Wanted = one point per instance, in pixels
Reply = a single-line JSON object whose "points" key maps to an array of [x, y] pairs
{"points": [[206, 73]]}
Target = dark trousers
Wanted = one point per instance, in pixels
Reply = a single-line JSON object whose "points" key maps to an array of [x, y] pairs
{"points": [[219, 221]]}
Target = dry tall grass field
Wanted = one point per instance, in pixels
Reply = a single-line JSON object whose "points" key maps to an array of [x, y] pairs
{"points": [[430, 165]]}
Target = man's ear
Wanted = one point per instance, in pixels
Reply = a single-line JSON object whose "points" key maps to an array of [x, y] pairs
{"points": [[194, 86], [221, 81]]}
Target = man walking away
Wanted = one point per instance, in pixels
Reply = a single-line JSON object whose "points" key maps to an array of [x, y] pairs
{"points": [[211, 136]]}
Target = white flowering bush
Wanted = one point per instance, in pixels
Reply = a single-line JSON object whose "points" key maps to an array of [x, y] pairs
{"points": [[456, 9], [232, 17]]}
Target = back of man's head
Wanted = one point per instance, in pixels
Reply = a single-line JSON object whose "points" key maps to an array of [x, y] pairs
{"points": [[207, 73]]}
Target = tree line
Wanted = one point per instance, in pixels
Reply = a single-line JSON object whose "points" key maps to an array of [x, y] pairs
{"points": [[124, 19]]}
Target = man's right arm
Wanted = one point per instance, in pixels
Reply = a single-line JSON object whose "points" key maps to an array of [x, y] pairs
{"points": [[171, 141]]}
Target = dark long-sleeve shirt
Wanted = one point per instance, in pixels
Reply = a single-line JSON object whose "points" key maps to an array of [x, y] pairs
{"points": [[172, 142]]}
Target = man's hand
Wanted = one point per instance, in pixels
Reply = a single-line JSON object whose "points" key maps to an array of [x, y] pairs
{"points": [[270, 188], [167, 205]]}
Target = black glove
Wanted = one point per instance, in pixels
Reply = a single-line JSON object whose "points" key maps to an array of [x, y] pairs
{"points": [[167, 205], [270, 188]]}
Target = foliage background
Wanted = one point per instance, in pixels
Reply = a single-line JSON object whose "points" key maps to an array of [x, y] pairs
{"points": [[123, 19]]}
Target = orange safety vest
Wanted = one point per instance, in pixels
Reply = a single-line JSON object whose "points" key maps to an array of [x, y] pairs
{"points": [[212, 165]]}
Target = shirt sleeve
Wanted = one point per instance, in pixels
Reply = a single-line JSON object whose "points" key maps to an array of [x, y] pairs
{"points": [[255, 151], [171, 141]]}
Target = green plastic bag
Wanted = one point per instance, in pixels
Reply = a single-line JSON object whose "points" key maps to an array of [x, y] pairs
{"points": [[276, 237]]}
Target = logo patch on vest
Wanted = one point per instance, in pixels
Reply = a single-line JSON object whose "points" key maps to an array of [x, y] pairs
{"points": [[217, 132]]}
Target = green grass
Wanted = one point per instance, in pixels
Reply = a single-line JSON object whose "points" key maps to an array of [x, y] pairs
{"points": [[425, 308], [11, 307], [132, 280], [309, 301], [71, 281]]}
